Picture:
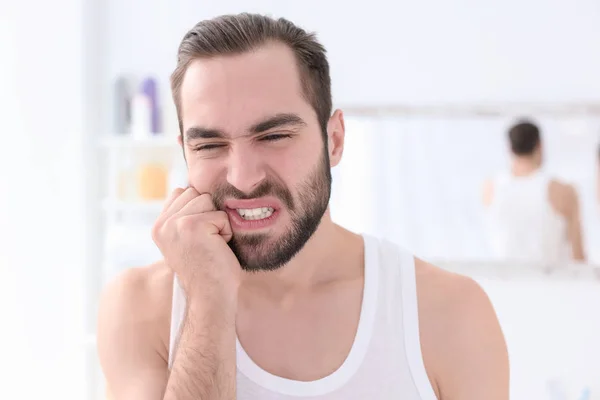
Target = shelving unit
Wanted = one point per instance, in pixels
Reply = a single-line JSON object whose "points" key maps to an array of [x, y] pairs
{"points": [[127, 215]]}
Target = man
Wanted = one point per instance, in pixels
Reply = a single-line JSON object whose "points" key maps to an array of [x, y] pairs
{"points": [[271, 299], [533, 217]]}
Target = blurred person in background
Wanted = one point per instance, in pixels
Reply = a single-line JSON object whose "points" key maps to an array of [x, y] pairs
{"points": [[532, 217], [260, 295]]}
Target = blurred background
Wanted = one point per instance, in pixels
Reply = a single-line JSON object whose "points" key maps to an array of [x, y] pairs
{"points": [[429, 89]]}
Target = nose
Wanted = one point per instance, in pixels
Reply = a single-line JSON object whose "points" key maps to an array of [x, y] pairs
{"points": [[246, 170]]}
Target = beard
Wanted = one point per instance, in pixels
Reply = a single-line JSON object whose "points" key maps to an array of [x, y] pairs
{"points": [[261, 252]]}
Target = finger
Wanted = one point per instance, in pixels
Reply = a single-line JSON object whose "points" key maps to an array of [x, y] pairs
{"points": [[217, 223], [201, 204], [188, 195], [222, 223], [172, 197]]}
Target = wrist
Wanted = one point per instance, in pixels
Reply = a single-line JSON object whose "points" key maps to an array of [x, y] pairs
{"points": [[208, 297], [211, 312]]}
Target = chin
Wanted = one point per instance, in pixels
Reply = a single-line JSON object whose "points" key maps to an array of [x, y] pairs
{"points": [[258, 252]]}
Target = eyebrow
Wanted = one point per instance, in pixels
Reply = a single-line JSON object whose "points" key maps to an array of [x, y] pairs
{"points": [[276, 121]]}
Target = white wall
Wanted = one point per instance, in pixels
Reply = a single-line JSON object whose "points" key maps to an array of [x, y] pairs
{"points": [[551, 330], [431, 51], [43, 228]]}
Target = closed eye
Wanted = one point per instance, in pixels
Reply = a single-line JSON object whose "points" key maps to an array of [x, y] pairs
{"points": [[275, 137], [206, 147]]}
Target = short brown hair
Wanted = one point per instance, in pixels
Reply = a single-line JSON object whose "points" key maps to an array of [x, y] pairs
{"points": [[240, 33], [524, 137]]}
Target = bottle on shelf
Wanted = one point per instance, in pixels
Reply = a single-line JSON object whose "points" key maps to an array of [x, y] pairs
{"points": [[153, 174], [152, 181], [149, 88], [141, 114], [122, 105]]}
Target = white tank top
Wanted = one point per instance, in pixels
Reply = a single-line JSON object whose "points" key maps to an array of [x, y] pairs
{"points": [[522, 223], [385, 361]]}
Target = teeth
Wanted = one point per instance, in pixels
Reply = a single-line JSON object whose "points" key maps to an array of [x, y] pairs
{"points": [[255, 213]]}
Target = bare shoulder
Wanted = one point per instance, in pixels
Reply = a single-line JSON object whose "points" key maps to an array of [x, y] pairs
{"points": [[450, 301], [144, 288], [463, 347], [563, 196], [138, 300], [441, 288], [562, 188]]}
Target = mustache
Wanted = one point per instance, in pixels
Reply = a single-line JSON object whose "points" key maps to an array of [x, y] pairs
{"points": [[266, 188]]}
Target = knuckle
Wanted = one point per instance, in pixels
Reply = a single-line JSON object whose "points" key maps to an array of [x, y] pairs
{"points": [[206, 198], [191, 189], [157, 229], [204, 203], [154, 232]]}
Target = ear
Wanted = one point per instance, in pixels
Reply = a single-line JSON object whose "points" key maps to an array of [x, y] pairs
{"points": [[336, 132]]}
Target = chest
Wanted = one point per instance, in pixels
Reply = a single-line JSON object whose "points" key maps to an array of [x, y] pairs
{"points": [[305, 341]]}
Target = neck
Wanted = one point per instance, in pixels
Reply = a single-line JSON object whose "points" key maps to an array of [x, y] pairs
{"points": [[523, 166], [321, 260]]}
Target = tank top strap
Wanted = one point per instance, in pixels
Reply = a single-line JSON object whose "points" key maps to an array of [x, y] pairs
{"points": [[399, 282], [177, 315]]}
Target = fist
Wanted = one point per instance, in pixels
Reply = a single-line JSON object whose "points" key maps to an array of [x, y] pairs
{"points": [[192, 237]]}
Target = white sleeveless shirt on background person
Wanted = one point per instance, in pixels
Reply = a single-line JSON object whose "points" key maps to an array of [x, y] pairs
{"points": [[385, 361], [522, 223]]}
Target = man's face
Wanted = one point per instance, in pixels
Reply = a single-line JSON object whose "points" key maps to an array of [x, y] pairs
{"points": [[252, 140]]}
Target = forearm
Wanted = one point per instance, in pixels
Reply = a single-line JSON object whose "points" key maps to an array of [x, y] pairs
{"points": [[578, 253], [574, 227], [576, 238], [204, 367]]}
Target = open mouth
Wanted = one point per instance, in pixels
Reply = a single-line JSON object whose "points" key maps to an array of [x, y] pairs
{"points": [[252, 214]]}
